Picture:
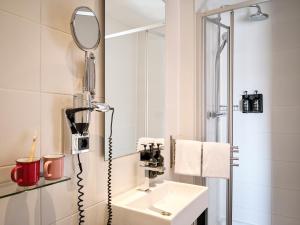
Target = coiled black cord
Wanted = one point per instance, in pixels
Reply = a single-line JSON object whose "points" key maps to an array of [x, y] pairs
{"points": [[80, 193], [109, 171]]}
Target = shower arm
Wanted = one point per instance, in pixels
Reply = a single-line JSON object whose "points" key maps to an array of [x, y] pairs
{"points": [[256, 6]]}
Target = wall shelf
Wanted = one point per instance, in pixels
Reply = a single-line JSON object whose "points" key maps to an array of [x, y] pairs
{"points": [[11, 188]]}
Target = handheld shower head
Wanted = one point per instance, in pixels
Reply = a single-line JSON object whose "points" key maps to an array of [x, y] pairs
{"points": [[224, 42], [225, 36], [259, 15]]}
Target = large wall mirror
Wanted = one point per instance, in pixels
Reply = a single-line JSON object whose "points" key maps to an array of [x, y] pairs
{"points": [[134, 71]]}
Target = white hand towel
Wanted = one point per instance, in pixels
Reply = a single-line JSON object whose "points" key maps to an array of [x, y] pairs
{"points": [[216, 160], [188, 157]]}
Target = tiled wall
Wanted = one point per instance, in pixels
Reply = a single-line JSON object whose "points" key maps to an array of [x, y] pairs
{"points": [[40, 69], [267, 188]]}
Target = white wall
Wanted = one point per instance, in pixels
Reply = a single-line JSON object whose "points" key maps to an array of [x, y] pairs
{"points": [[266, 188], [41, 68], [180, 73]]}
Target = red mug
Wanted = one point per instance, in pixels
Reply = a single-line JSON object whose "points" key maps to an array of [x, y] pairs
{"points": [[26, 172]]}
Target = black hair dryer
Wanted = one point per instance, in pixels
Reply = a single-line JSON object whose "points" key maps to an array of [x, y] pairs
{"points": [[77, 138]]}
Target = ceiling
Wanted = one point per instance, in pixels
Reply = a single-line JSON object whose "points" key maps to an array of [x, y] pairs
{"points": [[136, 13]]}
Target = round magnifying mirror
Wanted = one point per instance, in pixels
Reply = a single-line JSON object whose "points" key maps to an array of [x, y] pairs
{"points": [[85, 28]]}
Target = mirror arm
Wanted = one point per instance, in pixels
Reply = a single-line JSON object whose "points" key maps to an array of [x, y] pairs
{"points": [[89, 78]]}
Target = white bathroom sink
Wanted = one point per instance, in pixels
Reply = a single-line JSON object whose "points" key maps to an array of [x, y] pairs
{"points": [[168, 203]]}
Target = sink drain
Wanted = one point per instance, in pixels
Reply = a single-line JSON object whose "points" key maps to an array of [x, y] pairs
{"points": [[164, 213]]}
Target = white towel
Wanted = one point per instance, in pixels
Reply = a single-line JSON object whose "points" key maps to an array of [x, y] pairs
{"points": [[216, 160], [188, 157]]}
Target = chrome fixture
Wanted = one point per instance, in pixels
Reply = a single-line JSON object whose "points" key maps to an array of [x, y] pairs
{"points": [[259, 15], [152, 162], [86, 34], [85, 30], [217, 112], [224, 41], [78, 120], [100, 107]]}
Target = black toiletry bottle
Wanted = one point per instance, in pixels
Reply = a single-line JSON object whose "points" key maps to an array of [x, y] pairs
{"points": [[256, 102], [160, 158], [152, 162], [246, 103]]}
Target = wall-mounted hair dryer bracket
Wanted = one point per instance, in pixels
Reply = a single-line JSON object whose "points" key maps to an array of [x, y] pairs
{"points": [[75, 142]]}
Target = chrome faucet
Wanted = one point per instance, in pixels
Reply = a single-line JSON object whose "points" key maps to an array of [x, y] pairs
{"points": [[152, 162]]}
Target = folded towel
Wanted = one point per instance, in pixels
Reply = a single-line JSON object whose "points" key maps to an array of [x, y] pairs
{"points": [[188, 157], [216, 160]]}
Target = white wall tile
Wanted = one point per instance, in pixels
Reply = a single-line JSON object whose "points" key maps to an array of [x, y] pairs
{"points": [[20, 119], [21, 209], [284, 147], [286, 34], [19, 38], [280, 220], [62, 65], [285, 174], [60, 201], [57, 13], [286, 120], [29, 9], [5, 173], [289, 83], [286, 10], [286, 202], [252, 197], [52, 120], [259, 173], [242, 216], [93, 215], [286, 63], [58, 206]]}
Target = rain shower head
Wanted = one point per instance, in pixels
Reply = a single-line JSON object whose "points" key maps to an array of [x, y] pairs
{"points": [[259, 15]]}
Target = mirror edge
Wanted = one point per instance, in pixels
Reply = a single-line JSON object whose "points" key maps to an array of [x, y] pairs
{"points": [[73, 33]]}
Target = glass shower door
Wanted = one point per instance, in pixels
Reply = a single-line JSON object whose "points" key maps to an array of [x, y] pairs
{"points": [[216, 69]]}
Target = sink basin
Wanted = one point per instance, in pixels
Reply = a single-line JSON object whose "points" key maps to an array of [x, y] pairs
{"points": [[168, 203]]}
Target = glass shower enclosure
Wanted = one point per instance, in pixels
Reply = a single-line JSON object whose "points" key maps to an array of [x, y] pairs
{"points": [[218, 105], [238, 55]]}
